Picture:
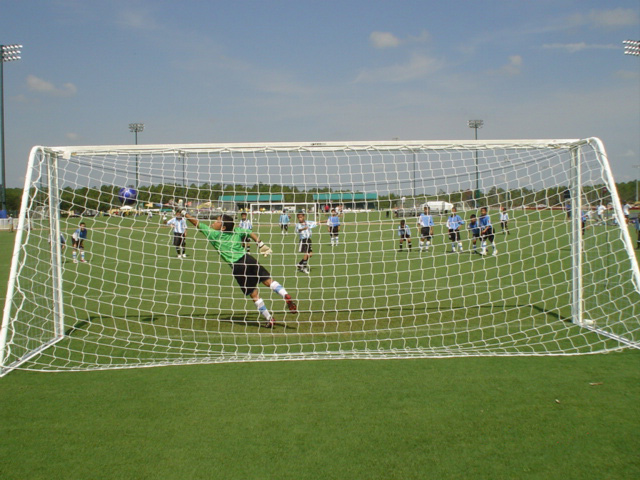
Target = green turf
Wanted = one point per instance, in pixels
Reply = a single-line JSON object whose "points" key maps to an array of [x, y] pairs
{"points": [[501, 417]]}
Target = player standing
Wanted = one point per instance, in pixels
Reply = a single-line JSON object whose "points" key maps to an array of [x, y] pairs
{"points": [[626, 209], [245, 224], [474, 230], [303, 229], [404, 232], [179, 226], [486, 232], [504, 220], [425, 223], [454, 222], [284, 222], [77, 238], [229, 242], [333, 225]]}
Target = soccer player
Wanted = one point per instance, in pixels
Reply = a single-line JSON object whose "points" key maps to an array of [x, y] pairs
{"points": [[601, 210], [404, 232], [228, 241], [333, 225], [246, 225], [179, 227], [454, 222], [504, 220], [303, 229], [425, 223], [486, 232], [284, 222], [474, 230], [626, 208], [77, 241]]}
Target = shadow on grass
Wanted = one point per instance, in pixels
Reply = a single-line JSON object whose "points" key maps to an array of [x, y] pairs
{"points": [[247, 320]]}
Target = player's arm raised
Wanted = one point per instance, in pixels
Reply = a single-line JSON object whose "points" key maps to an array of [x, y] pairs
{"points": [[191, 219]]}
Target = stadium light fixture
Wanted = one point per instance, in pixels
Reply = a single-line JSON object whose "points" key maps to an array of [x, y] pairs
{"points": [[8, 53], [135, 128], [476, 124], [632, 47]]}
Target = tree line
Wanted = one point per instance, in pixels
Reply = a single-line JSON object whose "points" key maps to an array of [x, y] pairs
{"points": [[105, 197]]}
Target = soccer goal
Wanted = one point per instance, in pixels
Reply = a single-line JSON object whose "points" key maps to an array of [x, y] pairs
{"points": [[538, 276]]}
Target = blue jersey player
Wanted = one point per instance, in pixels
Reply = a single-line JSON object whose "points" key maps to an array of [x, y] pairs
{"points": [[333, 225], [454, 222], [425, 223], [486, 232], [77, 241], [404, 232], [474, 230]]}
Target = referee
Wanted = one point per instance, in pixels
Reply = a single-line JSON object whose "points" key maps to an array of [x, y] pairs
{"points": [[179, 225]]}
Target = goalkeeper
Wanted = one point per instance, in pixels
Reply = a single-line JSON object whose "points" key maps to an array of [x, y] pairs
{"points": [[228, 241]]}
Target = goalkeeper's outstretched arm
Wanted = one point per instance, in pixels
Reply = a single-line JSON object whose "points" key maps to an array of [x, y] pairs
{"points": [[191, 219]]}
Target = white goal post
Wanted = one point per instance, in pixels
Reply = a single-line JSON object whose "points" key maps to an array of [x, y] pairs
{"points": [[548, 278]]}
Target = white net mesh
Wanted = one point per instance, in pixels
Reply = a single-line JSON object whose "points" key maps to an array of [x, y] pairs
{"points": [[553, 288]]}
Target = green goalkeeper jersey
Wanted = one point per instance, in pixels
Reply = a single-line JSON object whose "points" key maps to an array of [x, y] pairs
{"points": [[228, 244]]}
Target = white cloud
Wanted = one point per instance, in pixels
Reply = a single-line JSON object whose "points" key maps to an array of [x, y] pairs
{"points": [[419, 66], [39, 85], [389, 40], [577, 47], [513, 67], [617, 17], [384, 40], [137, 20]]}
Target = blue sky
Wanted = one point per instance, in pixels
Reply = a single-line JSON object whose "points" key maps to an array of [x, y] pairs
{"points": [[251, 71]]}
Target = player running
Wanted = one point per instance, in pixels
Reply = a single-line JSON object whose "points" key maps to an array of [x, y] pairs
{"points": [[425, 223], [303, 229], [486, 232], [229, 242], [454, 222]]}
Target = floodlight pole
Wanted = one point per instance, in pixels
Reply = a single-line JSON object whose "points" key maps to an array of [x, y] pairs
{"points": [[632, 47], [476, 124], [135, 128], [8, 53]]}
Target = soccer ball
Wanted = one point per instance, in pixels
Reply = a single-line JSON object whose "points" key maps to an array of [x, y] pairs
{"points": [[127, 195]]}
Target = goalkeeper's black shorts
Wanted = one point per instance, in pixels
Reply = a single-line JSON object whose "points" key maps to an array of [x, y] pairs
{"points": [[249, 273]]}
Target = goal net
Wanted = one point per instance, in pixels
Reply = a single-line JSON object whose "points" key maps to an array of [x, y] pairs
{"points": [[556, 276]]}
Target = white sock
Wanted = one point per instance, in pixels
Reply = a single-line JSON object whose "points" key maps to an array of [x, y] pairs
{"points": [[279, 289], [262, 309]]}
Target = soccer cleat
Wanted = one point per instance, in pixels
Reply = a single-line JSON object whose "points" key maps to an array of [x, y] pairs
{"points": [[269, 323], [495, 253], [306, 270], [293, 308], [75, 261], [83, 260]]}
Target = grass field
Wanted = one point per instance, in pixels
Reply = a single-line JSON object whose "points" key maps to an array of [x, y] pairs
{"points": [[494, 417]]}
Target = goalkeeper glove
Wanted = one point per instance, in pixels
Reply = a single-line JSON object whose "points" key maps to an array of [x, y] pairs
{"points": [[264, 249]]}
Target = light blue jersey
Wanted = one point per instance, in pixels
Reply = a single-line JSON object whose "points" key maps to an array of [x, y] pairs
{"points": [[284, 219], [454, 222], [425, 220]]}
